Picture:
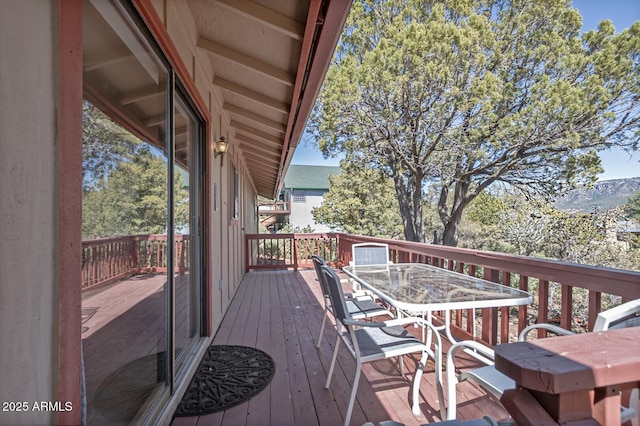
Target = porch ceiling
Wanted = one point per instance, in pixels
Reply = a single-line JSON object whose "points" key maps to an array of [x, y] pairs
{"points": [[269, 58]]}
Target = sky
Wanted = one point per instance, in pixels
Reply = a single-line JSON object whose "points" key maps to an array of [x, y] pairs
{"points": [[617, 164]]}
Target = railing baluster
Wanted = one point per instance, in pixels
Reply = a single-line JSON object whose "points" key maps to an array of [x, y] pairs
{"points": [[566, 310], [490, 315], [595, 302], [505, 317], [522, 309], [543, 305]]}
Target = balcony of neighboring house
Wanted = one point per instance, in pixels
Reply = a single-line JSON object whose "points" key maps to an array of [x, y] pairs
{"points": [[278, 308], [275, 215]]}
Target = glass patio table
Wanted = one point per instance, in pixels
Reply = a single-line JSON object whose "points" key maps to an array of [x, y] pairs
{"points": [[419, 290]]}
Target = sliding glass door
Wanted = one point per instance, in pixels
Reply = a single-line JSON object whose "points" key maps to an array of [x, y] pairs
{"points": [[187, 211], [142, 220]]}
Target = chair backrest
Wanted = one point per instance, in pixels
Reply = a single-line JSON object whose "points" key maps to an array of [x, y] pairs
{"points": [[336, 295], [370, 254], [318, 263], [623, 316]]}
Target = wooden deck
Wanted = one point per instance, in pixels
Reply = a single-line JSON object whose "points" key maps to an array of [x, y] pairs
{"points": [[280, 312]]}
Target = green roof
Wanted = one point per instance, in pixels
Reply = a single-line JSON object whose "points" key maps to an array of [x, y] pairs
{"points": [[309, 177]]}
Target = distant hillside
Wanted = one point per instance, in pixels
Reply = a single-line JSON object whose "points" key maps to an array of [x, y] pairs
{"points": [[604, 195]]}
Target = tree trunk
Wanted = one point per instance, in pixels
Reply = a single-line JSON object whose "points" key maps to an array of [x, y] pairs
{"points": [[451, 214], [450, 235], [409, 193]]}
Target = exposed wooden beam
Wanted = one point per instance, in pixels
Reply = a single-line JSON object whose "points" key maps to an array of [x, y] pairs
{"points": [[257, 133], [252, 152], [258, 154], [254, 64], [259, 149], [106, 58], [264, 176], [266, 149], [257, 166], [264, 190], [181, 131], [262, 183], [114, 19], [266, 172], [142, 94], [275, 125], [156, 120], [251, 94], [261, 173], [268, 17]]}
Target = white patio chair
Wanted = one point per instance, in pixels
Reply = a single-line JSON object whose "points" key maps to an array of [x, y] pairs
{"points": [[367, 254], [495, 383], [360, 305], [372, 341]]}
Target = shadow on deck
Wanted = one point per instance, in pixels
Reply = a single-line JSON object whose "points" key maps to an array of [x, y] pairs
{"points": [[280, 312]]}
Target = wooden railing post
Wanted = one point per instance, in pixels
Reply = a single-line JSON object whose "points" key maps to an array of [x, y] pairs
{"points": [[595, 301], [490, 315], [247, 249], [295, 252], [543, 306], [522, 310], [566, 310]]}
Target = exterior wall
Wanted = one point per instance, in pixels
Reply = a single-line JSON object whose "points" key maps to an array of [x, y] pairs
{"points": [[28, 184], [301, 212]]}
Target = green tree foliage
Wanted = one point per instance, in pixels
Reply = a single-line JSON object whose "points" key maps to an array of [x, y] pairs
{"points": [[360, 201], [633, 207], [480, 226], [133, 200], [485, 208], [104, 145], [124, 185], [461, 95]]}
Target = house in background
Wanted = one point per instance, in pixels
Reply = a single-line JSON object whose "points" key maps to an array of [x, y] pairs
{"points": [[304, 189]]}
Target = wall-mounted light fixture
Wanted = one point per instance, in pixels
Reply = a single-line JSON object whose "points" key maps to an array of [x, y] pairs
{"points": [[221, 148]]}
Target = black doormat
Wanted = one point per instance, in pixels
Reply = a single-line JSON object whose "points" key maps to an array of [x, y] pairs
{"points": [[227, 376]]}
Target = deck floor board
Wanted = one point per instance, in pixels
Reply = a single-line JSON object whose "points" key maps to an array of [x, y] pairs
{"points": [[280, 312]]}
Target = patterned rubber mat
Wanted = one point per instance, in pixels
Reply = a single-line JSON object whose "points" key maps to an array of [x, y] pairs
{"points": [[227, 376]]}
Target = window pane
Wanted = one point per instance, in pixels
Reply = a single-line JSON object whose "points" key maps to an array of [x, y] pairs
{"points": [[186, 227], [299, 196], [125, 216], [236, 191]]}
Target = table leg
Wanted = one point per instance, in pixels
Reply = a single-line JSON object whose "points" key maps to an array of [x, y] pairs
{"points": [[606, 405]]}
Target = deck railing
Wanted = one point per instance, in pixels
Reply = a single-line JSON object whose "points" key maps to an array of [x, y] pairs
{"points": [[281, 251], [552, 283], [278, 207], [107, 260]]}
